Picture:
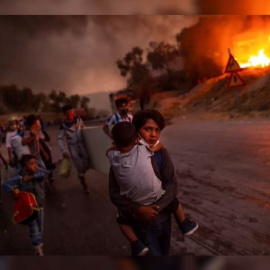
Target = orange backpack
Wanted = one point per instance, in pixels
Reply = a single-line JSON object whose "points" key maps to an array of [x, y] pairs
{"points": [[25, 207]]}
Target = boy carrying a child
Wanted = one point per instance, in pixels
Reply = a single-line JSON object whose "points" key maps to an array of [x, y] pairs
{"points": [[131, 164]]}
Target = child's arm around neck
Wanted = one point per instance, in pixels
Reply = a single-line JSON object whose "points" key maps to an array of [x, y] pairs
{"points": [[113, 148], [156, 147]]}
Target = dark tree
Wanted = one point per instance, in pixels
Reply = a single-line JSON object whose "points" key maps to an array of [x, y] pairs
{"points": [[161, 54], [132, 65], [57, 100], [73, 100], [84, 104]]}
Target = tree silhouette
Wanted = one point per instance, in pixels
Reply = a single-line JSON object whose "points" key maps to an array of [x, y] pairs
{"points": [[40, 102], [57, 100], [132, 65], [84, 104], [73, 100], [161, 54]]}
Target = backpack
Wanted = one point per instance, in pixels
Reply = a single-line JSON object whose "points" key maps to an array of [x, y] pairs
{"points": [[25, 208]]}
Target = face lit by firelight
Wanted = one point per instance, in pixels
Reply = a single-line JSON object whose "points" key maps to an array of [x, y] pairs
{"points": [[150, 132]]}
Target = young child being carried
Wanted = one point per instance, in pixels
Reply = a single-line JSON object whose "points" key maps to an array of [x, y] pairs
{"points": [[131, 163], [31, 179]]}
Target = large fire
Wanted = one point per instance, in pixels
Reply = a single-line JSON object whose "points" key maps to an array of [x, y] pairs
{"points": [[253, 52], [259, 60]]}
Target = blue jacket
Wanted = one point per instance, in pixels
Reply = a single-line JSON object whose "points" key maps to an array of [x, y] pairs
{"points": [[35, 186]]}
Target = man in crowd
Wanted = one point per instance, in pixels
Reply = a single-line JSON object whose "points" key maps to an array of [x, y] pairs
{"points": [[71, 129]]}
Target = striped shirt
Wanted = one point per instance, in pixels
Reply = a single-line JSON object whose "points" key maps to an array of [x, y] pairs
{"points": [[117, 118]]}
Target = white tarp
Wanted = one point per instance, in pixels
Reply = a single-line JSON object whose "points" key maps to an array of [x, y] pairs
{"points": [[97, 143]]}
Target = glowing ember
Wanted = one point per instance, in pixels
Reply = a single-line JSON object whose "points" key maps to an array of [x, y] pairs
{"points": [[259, 60]]}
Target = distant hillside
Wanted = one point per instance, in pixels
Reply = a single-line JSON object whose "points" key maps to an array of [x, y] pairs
{"points": [[214, 97]]}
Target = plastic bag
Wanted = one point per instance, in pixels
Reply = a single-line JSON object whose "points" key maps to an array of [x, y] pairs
{"points": [[65, 167]]}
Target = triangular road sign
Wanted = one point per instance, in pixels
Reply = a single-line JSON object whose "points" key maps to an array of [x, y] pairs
{"points": [[232, 65], [235, 81]]}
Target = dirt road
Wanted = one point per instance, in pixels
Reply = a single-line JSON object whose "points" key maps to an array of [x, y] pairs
{"points": [[223, 169]]}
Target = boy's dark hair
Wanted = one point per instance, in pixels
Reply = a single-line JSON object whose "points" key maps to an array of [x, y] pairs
{"points": [[119, 102], [66, 108], [25, 159], [30, 120], [10, 123], [141, 117], [124, 134]]}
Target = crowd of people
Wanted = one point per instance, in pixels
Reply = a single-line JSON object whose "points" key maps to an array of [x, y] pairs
{"points": [[142, 181]]}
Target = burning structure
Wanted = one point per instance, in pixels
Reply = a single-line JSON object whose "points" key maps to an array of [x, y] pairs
{"points": [[205, 53], [252, 49], [204, 46]]}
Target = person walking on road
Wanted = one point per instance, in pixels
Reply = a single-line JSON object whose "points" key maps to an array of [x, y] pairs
{"points": [[71, 129], [31, 179]]}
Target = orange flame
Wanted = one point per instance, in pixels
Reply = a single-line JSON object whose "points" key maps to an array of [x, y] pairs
{"points": [[253, 50], [259, 60]]}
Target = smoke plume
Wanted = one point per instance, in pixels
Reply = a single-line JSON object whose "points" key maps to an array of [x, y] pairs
{"points": [[76, 54], [94, 7]]}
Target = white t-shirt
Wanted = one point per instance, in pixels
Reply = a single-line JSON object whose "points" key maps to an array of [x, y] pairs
{"points": [[135, 175], [9, 135], [17, 147]]}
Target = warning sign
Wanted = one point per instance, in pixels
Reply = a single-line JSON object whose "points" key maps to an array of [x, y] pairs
{"points": [[235, 81], [232, 65]]}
